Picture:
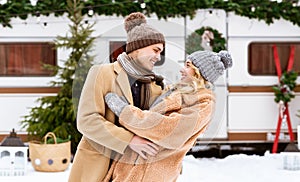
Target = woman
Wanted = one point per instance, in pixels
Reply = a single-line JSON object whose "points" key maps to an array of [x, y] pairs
{"points": [[173, 122]]}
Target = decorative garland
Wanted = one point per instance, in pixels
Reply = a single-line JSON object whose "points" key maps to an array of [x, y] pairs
{"points": [[284, 91], [194, 40], [265, 10]]}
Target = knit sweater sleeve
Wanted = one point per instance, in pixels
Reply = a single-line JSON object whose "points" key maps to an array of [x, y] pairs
{"points": [[171, 123]]}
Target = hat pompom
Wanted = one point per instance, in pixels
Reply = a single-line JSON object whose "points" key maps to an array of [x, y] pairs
{"points": [[134, 19], [225, 58]]}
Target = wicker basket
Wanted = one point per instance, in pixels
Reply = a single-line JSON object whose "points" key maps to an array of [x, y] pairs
{"points": [[50, 157]]}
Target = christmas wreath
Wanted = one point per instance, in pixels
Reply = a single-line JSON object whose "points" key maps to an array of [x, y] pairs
{"points": [[284, 90], [195, 40]]}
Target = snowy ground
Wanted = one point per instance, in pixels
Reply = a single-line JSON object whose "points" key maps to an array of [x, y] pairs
{"points": [[238, 168], [234, 168]]}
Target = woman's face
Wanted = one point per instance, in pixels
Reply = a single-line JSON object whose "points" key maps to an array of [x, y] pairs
{"points": [[148, 56], [187, 72]]}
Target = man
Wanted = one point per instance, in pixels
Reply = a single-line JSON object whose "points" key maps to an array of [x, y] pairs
{"points": [[131, 76]]}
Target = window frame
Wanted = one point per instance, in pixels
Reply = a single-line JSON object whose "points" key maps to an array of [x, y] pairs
{"points": [[265, 64], [25, 62], [117, 47]]}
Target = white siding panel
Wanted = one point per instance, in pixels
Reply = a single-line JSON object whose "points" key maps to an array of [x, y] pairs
{"points": [[257, 112], [243, 26], [12, 109]]}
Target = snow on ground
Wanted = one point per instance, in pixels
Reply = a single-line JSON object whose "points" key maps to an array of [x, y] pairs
{"points": [[234, 168], [237, 168]]}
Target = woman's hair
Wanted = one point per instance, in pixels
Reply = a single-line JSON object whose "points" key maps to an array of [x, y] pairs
{"points": [[197, 83]]}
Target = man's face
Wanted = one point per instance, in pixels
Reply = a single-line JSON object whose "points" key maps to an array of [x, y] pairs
{"points": [[148, 56]]}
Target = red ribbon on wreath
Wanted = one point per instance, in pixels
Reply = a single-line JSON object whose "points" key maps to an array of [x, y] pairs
{"points": [[283, 109]]}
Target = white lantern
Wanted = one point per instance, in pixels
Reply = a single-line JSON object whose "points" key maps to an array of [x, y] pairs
{"points": [[13, 161], [13, 156], [291, 160]]}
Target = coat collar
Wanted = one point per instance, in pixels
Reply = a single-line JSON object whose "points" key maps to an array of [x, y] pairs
{"points": [[123, 82]]}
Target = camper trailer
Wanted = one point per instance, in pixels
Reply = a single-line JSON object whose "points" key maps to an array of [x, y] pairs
{"points": [[245, 110]]}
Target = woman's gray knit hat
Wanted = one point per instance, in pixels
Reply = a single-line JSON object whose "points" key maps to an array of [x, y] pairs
{"points": [[139, 33], [211, 65]]}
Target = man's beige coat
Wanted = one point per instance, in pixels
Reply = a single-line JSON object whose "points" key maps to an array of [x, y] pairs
{"points": [[96, 122]]}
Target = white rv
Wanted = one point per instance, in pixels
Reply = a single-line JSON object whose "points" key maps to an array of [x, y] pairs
{"points": [[245, 101]]}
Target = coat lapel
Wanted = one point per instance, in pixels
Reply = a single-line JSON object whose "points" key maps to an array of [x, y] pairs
{"points": [[122, 80]]}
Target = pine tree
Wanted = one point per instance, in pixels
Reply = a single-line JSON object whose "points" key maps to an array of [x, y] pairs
{"points": [[58, 113]]}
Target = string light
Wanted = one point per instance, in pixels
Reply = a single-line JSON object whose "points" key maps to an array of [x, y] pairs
{"points": [[57, 21], [91, 11], [33, 2], [62, 10], [2, 2], [143, 5], [296, 3]]}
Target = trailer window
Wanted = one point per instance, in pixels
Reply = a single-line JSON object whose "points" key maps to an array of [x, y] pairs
{"points": [[261, 58], [26, 59], [117, 47]]}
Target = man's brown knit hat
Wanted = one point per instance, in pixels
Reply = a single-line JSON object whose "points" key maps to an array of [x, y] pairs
{"points": [[139, 33]]}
